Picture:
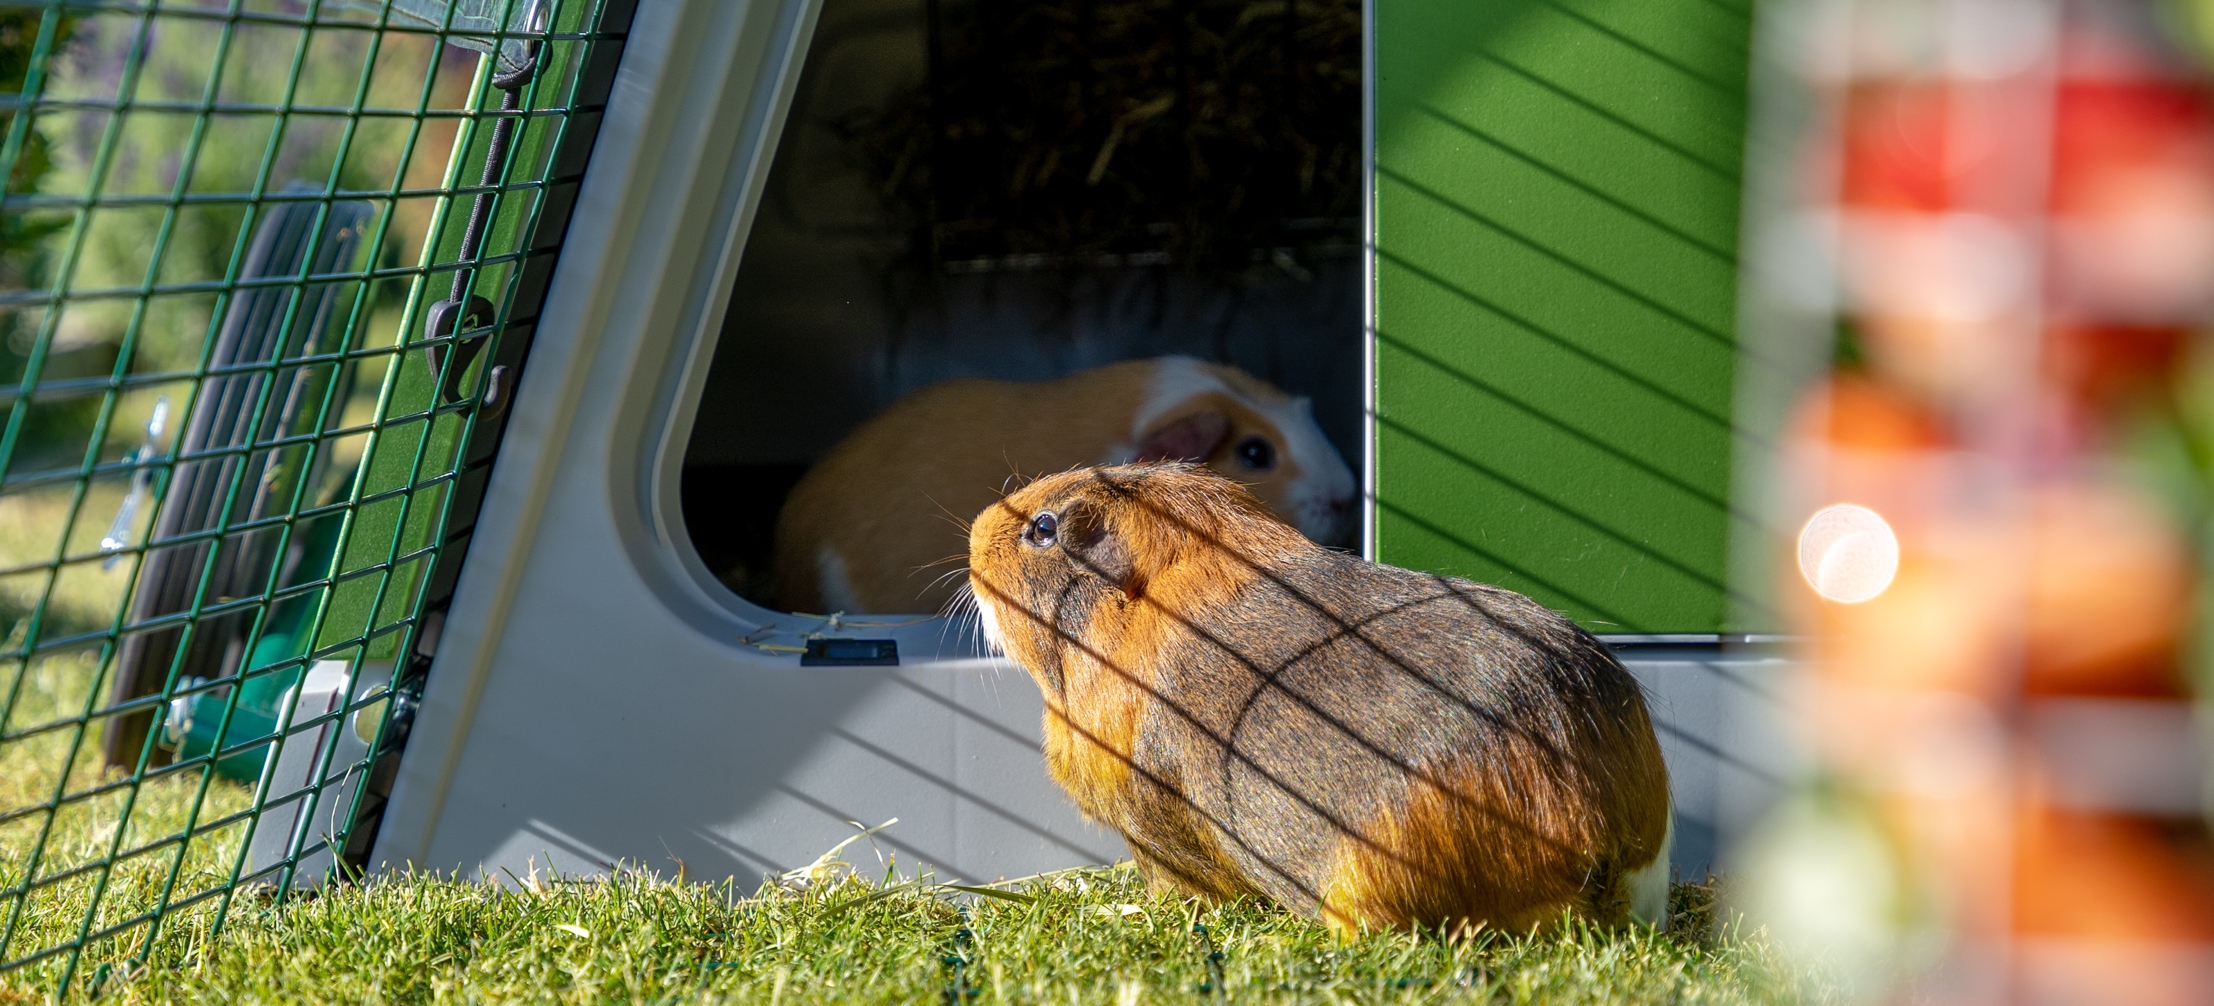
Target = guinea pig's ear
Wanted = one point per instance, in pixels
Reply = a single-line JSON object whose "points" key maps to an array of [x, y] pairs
{"points": [[1192, 438], [1095, 547]]}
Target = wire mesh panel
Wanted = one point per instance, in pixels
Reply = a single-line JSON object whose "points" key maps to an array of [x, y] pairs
{"points": [[267, 277]]}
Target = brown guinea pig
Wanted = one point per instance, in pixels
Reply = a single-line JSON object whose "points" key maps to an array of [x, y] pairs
{"points": [[1262, 716], [871, 526]]}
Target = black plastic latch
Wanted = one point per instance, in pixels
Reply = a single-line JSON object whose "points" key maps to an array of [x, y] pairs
{"points": [[851, 653], [444, 320]]}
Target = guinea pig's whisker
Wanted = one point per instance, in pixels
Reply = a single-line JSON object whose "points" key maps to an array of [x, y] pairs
{"points": [[941, 579], [1016, 476], [963, 611], [942, 583], [958, 520], [954, 614]]}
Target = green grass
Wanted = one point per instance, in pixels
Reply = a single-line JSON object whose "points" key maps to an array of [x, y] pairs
{"points": [[1090, 936], [87, 831], [1086, 937]]}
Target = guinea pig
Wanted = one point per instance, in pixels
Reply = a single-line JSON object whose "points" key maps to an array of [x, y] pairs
{"points": [[1260, 716], [871, 527]]}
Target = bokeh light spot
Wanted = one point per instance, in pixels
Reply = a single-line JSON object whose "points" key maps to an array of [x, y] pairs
{"points": [[1848, 554]]}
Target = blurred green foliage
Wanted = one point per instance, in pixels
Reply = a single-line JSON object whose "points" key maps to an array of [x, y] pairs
{"points": [[156, 150], [23, 235], [28, 237], [25, 259]]}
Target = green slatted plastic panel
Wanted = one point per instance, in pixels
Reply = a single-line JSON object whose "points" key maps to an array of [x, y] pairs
{"points": [[1556, 229], [233, 471]]}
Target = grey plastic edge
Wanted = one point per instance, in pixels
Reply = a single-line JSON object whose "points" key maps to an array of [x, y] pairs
{"points": [[1368, 280], [690, 128]]}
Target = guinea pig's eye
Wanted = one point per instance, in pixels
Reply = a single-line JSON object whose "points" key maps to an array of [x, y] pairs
{"points": [[1257, 454], [1042, 529]]}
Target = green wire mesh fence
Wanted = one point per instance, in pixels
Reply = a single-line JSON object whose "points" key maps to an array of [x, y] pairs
{"points": [[267, 275]]}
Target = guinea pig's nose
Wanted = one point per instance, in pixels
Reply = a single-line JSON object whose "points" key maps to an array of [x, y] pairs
{"points": [[1339, 506]]}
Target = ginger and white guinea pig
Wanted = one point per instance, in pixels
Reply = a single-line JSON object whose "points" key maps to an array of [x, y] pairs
{"points": [[876, 525], [1260, 716]]}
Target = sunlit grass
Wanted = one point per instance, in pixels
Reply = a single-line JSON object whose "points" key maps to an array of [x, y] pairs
{"points": [[1079, 937], [41, 744]]}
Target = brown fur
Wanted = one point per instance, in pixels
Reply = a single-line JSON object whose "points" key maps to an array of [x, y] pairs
{"points": [[890, 497], [1260, 715]]}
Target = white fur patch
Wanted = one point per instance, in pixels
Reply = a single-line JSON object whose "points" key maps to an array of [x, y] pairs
{"points": [[987, 620], [1319, 500], [831, 581], [1322, 496], [1176, 380], [1649, 886]]}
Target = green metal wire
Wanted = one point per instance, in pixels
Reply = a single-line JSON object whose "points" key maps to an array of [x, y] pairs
{"points": [[367, 599]]}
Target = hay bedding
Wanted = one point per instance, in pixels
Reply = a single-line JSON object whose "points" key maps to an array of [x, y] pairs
{"points": [[1216, 135]]}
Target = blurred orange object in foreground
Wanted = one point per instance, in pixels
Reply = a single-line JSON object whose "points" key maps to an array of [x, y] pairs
{"points": [[2018, 687], [2023, 211]]}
